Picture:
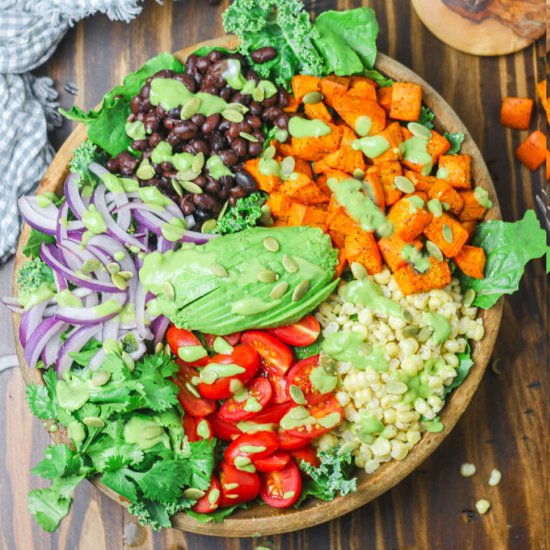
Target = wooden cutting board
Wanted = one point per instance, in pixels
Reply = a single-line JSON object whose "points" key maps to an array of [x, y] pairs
{"points": [[484, 27]]}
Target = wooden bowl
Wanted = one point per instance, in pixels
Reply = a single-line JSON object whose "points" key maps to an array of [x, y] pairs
{"points": [[262, 519]]}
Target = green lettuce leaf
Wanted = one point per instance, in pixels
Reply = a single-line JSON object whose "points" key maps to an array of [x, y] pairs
{"points": [[465, 363], [508, 246]]}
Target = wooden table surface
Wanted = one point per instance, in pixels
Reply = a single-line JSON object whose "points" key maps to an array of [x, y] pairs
{"points": [[505, 426]]}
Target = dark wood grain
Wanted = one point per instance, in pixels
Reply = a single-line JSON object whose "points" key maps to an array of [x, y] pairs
{"points": [[505, 426]]}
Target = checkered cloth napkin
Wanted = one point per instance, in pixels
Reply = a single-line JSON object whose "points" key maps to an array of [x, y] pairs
{"points": [[30, 30]]}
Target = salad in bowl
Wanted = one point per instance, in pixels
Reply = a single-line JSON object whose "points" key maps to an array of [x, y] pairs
{"points": [[262, 277]]}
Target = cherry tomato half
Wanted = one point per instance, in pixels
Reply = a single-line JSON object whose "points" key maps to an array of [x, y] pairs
{"points": [[237, 486], [231, 339], [330, 410], [244, 356], [275, 461], [277, 358], [308, 454], [222, 429], [192, 404], [251, 445], [289, 442], [278, 385], [197, 428], [282, 488], [233, 410], [272, 414], [302, 333], [211, 500], [298, 375], [179, 338]]}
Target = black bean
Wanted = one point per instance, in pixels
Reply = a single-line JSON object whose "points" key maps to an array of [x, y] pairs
{"points": [[112, 165], [246, 181], [282, 121], [186, 205], [140, 117], [271, 113], [131, 117], [198, 119], [172, 139], [254, 121], [226, 93], [169, 123], [169, 174], [127, 163], [135, 104], [147, 154], [151, 122], [237, 192], [214, 55], [234, 130], [187, 80], [243, 99], [202, 64], [198, 79], [270, 101], [283, 98], [146, 106], [229, 158], [217, 142], [240, 146], [200, 146], [144, 92], [156, 182], [255, 149], [263, 55], [139, 144], [188, 148], [224, 125], [160, 111], [201, 181], [212, 90], [204, 200], [255, 108], [201, 215], [185, 129], [232, 201], [213, 187], [163, 73], [191, 64], [174, 113], [210, 124], [155, 139], [149, 80], [166, 166], [252, 75]]}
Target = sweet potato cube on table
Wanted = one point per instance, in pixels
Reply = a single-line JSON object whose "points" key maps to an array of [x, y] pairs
{"points": [[394, 135], [543, 98], [392, 248], [547, 165], [384, 96], [447, 233], [471, 210], [360, 246], [374, 187], [515, 112], [532, 152], [350, 108], [437, 145], [303, 84], [362, 87], [302, 189], [317, 111], [458, 168], [279, 204], [333, 85], [411, 281], [346, 158], [408, 221], [471, 261], [314, 149], [406, 101], [446, 194], [265, 183], [388, 172]]}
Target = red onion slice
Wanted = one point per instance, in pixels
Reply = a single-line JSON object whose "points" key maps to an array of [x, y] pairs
{"points": [[40, 337], [29, 321], [74, 343]]}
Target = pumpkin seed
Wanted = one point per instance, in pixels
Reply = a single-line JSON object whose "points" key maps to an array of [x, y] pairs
{"points": [[287, 165], [434, 206], [126, 275], [434, 250], [447, 233], [219, 270], [195, 380], [404, 184], [91, 265], [358, 270], [187, 175], [266, 276], [191, 187], [279, 290], [281, 135], [177, 187], [93, 422], [395, 387], [269, 152], [198, 162], [288, 494], [418, 130], [208, 226], [193, 493], [100, 378], [300, 290], [407, 315], [231, 486], [159, 348], [358, 173], [297, 395], [119, 281], [232, 115], [168, 289], [213, 496], [312, 97], [248, 137], [271, 244], [298, 413], [348, 446], [424, 334], [469, 297], [327, 363], [152, 432], [190, 108], [446, 206], [53, 428], [258, 94], [192, 390], [410, 330], [289, 264], [239, 107], [113, 267], [128, 361]]}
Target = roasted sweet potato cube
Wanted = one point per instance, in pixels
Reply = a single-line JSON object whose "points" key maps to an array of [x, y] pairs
{"points": [[394, 135], [360, 246], [442, 191], [303, 167], [384, 96], [314, 149], [292, 106], [374, 187], [265, 183], [470, 227], [458, 170], [301, 214], [437, 146], [411, 281], [447, 234], [333, 85], [392, 250], [301, 188], [279, 204], [338, 238], [317, 111], [406, 101], [471, 261], [303, 84], [422, 183], [350, 108], [362, 87], [471, 209], [342, 261], [408, 221], [321, 182], [346, 158], [320, 167], [283, 149], [388, 172]]}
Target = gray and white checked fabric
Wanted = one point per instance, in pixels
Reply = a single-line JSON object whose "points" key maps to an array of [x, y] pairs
{"points": [[30, 30]]}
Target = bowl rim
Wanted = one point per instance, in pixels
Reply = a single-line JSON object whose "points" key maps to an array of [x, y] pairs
{"points": [[262, 520]]}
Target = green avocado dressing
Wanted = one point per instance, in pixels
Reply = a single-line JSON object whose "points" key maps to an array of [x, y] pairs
{"points": [[162, 152], [135, 130], [415, 151], [269, 167], [368, 294], [440, 325], [191, 353], [350, 347], [372, 146], [369, 423], [41, 294], [221, 346], [145, 432], [93, 221], [363, 125], [66, 298], [442, 172], [323, 381], [107, 308], [216, 167], [151, 196], [299, 127], [173, 230], [252, 427], [417, 386]]}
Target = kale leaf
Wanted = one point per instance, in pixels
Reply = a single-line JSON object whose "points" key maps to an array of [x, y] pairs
{"points": [[246, 213]]}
